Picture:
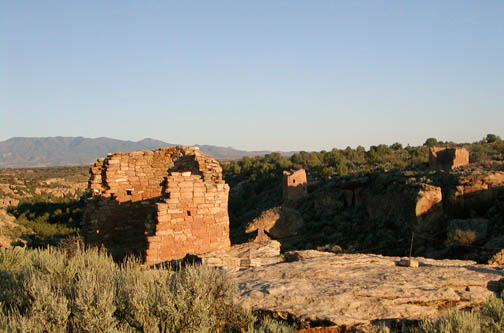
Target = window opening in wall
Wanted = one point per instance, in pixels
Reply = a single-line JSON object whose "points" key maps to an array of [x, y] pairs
{"points": [[188, 213], [293, 181], [129, 192]]}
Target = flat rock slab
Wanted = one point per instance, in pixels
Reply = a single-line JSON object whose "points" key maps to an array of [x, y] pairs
{"points": [[354, 289]]}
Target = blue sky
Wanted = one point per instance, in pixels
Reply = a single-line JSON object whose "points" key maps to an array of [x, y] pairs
{"points": [[277, 75]]}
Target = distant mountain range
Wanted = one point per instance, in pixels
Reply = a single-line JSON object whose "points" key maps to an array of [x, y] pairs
{"points": [[58, 151]]}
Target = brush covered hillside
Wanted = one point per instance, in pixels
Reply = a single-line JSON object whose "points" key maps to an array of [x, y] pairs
{"points": [[60, 151], [358, 201], [41, 206], [365, 201], [372, 201]]}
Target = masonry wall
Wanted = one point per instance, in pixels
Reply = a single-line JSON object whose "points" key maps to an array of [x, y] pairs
{"points": [[194, 216], [448, 158], [295, 184], [5, 202], [132, 192]]}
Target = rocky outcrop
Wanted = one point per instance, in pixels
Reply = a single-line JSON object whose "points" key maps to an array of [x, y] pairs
{"points": [[18, 185], [428, 197], [497, 259], [357, 290], [474, 191], [281, 223], [60, 190], [12, 233], [380, 211]]}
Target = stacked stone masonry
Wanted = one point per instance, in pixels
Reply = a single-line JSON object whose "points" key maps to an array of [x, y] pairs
{"points": [[295, 185], [160, 205], [448, 158], [6, 202]]}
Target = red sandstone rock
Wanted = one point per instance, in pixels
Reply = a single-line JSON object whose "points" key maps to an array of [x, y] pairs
{"points": [[428, 197]]}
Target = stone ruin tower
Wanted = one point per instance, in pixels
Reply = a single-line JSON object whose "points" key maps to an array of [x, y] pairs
{"points": [[160, 205], [294, 184], [444, 158]]}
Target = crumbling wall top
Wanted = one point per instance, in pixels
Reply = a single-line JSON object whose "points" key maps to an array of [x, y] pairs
{"points": [[139, 175]]}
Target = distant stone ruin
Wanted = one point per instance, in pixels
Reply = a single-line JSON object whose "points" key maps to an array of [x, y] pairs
{"points": [[6, 202], [295, 184], [160, 205], [444, 158]]}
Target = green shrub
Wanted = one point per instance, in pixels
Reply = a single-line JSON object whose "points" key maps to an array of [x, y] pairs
{"points": [[460, 237], [454, 321], [269, 325], [334, 248], [493, 313], [489, 320], [92, 296], [53, 290], [49, 307], [194, 299]]}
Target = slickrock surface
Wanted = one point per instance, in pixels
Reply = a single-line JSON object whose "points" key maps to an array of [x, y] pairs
{"points": [[352, 290]]}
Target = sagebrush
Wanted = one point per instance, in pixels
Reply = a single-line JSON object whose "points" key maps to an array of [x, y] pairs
{"points": [[490, 319], [52, 290]]}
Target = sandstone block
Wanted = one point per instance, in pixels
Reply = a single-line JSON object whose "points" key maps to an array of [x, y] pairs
{"points": [[139, 210], [186, 195]]}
